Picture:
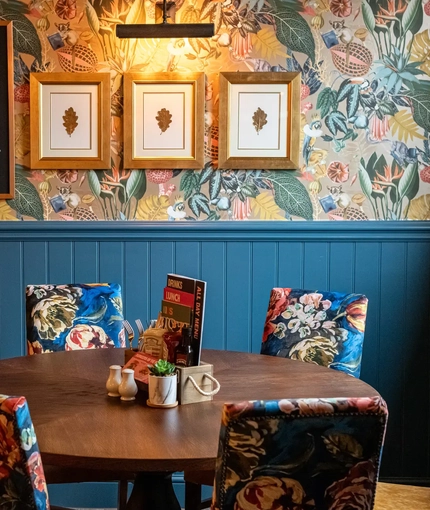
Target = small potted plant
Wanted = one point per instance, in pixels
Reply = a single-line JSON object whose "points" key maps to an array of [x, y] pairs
{"points": [[162, 384]]}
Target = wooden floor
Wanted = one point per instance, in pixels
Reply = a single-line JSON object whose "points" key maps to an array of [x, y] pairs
{"points": [[401, 497]]}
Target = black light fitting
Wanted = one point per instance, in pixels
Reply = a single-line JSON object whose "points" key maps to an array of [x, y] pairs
{"points": [[165, 29]]}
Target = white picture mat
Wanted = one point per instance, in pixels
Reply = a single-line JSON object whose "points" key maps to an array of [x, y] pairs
{"points": [[243, 138], [55, 99], [149, 141]]}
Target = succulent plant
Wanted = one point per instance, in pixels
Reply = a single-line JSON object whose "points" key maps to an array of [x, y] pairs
{"points": [[162, 368]]}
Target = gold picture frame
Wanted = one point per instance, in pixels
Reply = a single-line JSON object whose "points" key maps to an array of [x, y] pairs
{"points": [[164, 114], [259, 120], [7, 141], [70, 121]]}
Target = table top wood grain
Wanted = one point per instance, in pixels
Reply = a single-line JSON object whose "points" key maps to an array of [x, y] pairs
{"points": [[78, 425]]}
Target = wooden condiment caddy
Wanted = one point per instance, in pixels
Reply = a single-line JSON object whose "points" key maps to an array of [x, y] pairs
{"points": [[203, 387]]}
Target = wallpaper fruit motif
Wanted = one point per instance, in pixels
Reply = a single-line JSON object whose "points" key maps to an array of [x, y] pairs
{"points": [[365, 108]]}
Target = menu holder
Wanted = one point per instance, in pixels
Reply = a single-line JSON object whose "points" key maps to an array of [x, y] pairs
{"points": [[129, 353], [196, 384]]}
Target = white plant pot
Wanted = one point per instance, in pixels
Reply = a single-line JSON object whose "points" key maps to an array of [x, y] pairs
{"points": [[162, 390]]}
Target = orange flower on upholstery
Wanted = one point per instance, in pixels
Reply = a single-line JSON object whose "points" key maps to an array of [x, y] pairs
{"points": [[232, 411], [85, 336], [9, 450], [35, 470], [277, 304], [270, 493], [355, 491], [356, 313]]}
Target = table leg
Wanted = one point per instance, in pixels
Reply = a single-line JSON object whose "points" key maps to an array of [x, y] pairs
{"points": [[153, 491]]}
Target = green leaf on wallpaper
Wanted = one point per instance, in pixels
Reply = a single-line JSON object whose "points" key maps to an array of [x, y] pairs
{"points": [[327, 99], [215, 184], [365, 182], [294, 33], [413, 16], [199, 203], [368, 16], [352, 101], [94, 183], [344, 90], [421, 109], [336, 121], [25, 38], [409, 182], [189, 183], [27, 200], [136, 184], [206, 173], [290, 194]]}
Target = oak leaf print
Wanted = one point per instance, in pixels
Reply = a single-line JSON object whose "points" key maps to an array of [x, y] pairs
{"points": [[259, 120], [164, 119], [70, 120]]}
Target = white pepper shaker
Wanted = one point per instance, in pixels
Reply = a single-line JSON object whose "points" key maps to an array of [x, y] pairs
{"points": [[114, 380], [128, 388]]}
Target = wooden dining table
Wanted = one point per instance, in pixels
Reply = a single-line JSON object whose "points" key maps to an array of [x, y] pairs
{"points": [[80, 426]]}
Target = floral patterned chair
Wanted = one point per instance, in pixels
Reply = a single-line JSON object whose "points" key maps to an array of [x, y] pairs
{"points": [[71, 317], [325, 328], [75, 316], [304, 454], [22, 480]]}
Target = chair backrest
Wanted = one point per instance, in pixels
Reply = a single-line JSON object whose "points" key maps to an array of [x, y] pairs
{"points": [[74, 316], [304, 454], [325, 328], [22, 481]]}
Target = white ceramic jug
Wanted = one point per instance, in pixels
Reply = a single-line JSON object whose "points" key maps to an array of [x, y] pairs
{"points": [[128, 388], [114, 380]]}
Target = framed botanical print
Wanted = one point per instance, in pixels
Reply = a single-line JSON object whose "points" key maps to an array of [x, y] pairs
{"points": [[7, 141], [70, 120], [164, 113], [259, 120]]}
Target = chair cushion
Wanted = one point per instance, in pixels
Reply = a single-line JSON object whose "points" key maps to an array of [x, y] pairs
{"points": [[325, 328], [22, 480], [75, 316], [301, 454]]}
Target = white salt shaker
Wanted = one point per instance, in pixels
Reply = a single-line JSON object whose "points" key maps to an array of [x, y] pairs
{"points": [[128, 388], [114, 380]]}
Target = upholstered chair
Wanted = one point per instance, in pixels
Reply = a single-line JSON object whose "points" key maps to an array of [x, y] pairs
{"points": [[306, 453], [71, 317], [74, 316], [22, 480], [325, 328]]}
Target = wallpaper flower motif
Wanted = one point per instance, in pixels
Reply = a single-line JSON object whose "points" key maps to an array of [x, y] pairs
{"points": [[365, 107]]}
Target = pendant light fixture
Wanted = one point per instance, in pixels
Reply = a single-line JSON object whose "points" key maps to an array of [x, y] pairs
{"points": [[165, 29]]}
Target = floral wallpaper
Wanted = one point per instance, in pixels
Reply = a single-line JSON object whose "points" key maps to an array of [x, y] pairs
{"points": [[365, 108]]}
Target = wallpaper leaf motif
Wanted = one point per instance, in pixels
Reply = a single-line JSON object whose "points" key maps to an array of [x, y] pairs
{"points": [[421, 108], [27, 200], [153, 208], [403, 125], [291, 195], [294, 33], [265, 208], [411, 18], [267, 44], [25, 39], [419, 208]]}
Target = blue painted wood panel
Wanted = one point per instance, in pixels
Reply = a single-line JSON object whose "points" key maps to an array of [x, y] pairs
{"points": [[387, 261]]}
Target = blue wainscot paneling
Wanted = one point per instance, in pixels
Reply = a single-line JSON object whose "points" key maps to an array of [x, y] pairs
{"points": [[242, 261]]}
